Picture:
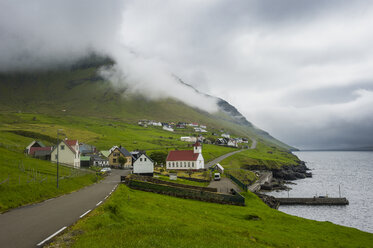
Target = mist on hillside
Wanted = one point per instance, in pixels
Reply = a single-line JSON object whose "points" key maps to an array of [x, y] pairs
{"points": [[42, 35]]}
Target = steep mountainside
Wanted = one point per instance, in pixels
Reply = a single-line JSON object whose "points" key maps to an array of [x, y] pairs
{"points": [[80, 91]]}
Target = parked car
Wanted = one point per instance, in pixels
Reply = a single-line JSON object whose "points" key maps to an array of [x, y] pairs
{"points": [[105, 170], [217, 176]]}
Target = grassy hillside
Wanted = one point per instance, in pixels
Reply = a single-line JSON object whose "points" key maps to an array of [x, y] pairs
{"points": [[270, 157], [80, 92], [127, 220]]}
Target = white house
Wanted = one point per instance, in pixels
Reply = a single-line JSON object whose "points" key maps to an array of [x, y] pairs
{"points": [[193, 124], [143, 165], [189, 139], [68, 151], [186, 160], [225, 135], [219, 168], [34, 143], [168, 128], [157, 124], [232, 143]]}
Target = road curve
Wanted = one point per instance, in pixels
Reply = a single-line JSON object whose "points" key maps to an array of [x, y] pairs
{"points": [[29, 226], [218, 159]]}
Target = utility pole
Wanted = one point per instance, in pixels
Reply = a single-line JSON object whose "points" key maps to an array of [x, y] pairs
{"points": [[58, 155]]}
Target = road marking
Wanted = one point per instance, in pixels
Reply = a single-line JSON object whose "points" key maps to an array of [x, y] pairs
{"points": [[99, 203], [50, 237], [106, 197], [85, 213]]}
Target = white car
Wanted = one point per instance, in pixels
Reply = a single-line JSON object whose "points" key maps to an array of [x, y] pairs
{"points": [[105, 170], [217, 176]]}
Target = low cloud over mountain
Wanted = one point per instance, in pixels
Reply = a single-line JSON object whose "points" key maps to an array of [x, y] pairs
{"points": [[299, 69]]}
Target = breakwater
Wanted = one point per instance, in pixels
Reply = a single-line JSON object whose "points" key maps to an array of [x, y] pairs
{"points": [[313, 201]]}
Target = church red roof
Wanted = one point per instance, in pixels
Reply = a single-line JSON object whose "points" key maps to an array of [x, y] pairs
{"points": [[182, 156]]}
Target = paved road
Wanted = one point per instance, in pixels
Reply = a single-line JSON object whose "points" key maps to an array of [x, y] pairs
{"points": [[224, 185], [30, 225], [217, 160], [253, 144]]}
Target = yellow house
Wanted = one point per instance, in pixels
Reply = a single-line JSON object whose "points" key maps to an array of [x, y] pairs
{"points": [[116, 153]]}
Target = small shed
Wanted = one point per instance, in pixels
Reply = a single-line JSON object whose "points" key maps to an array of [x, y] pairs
{"points": [[219, 168], [85, 161]]}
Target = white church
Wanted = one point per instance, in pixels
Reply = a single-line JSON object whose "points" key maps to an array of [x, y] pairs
{"points": [[186, 160]]}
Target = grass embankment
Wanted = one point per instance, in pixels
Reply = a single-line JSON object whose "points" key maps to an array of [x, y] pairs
{"points": [[245, 176], [132, 218], [25, 180], [269, 157]]}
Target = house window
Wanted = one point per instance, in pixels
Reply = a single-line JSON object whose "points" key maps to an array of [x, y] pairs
{"points": [[145, 159], [114, 160], [184, 164], [140, 159], [188, 164], [173, 164], [62, 147], [192, 164]]}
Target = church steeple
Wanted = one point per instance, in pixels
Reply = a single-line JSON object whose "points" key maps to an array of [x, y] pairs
{"points": [[197, 147]]}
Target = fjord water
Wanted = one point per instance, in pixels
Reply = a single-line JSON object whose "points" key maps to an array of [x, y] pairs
{"points": [[353, 171]]}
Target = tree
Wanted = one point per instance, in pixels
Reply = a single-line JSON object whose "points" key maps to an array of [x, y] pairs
{"points": [[159, 157], [122, 161]]}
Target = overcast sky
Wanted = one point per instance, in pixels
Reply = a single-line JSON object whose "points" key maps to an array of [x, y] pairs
{"points": [[301, 70]]}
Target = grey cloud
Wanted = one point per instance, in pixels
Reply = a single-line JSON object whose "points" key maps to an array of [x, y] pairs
{"points": [[299, 69]]}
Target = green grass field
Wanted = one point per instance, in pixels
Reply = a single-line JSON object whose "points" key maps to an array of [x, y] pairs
{"points": [[25, 180], [132, 218], [270, 157]]}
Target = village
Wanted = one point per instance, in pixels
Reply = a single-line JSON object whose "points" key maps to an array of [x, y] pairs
{"points": [[71, 152]]}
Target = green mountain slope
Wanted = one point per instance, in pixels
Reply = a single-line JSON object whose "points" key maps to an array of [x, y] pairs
{"points": [[79, 91]]}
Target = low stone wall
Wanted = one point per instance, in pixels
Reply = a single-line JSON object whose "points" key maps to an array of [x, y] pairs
{"points": [[187, 193], [158, 181]]}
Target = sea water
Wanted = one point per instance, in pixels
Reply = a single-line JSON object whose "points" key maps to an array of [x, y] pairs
{"points": [[351, 172]]}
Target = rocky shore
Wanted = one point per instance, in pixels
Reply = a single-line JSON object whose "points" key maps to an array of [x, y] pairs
{"points": [[292, 172], [271, 201], [283, 177]]}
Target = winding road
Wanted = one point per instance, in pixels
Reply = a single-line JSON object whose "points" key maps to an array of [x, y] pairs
{"points": [[34, 225], [218, 159]]}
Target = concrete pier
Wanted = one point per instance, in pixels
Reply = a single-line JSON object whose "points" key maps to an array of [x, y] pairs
{"points": [[313, 201]]}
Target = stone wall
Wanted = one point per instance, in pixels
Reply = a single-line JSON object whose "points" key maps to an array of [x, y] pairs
{"points": [[158, 181], [184, 192]]}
